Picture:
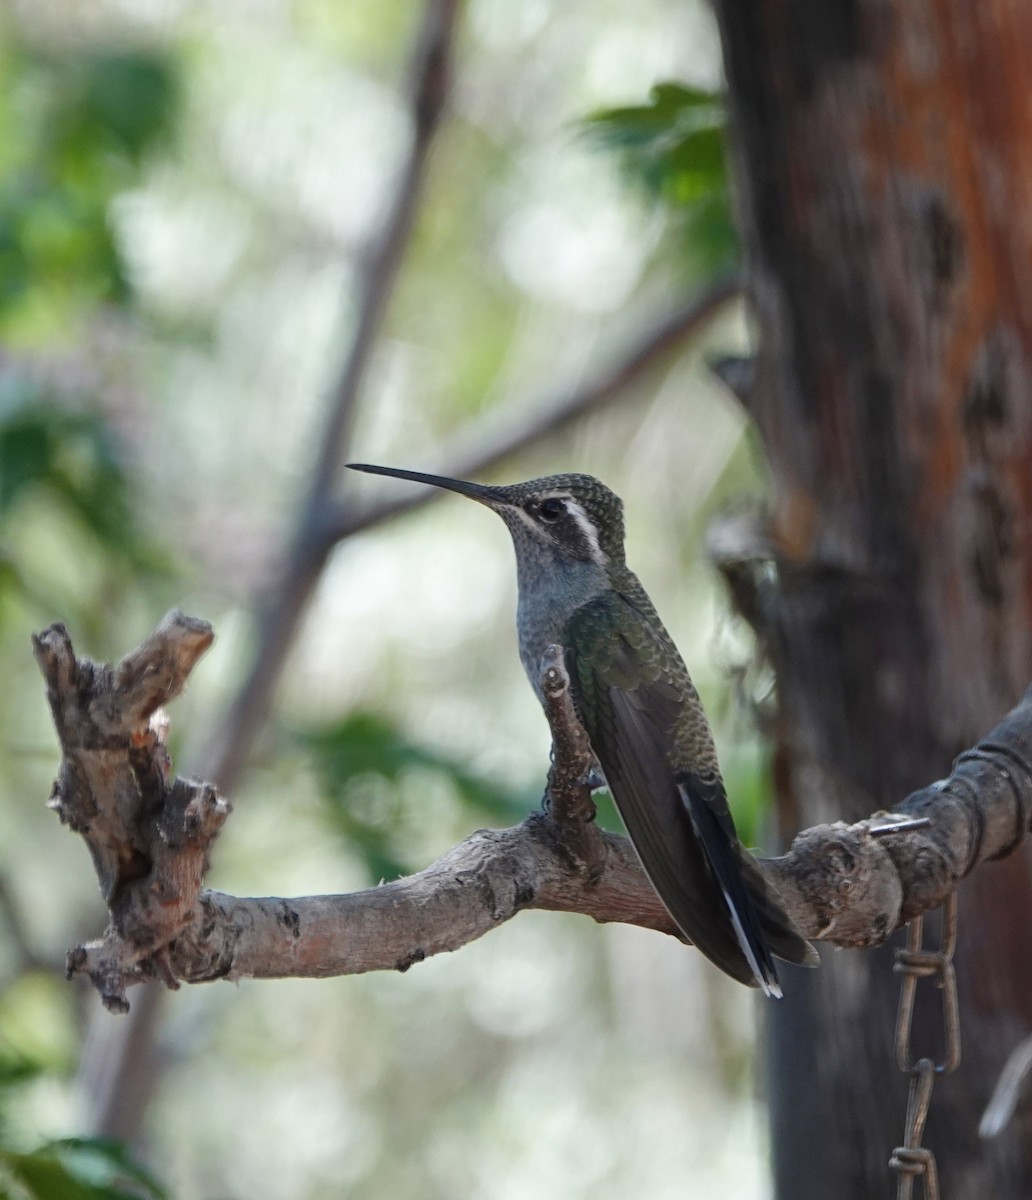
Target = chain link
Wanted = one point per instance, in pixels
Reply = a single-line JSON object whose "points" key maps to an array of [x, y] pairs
{"points": [[914, 963]]}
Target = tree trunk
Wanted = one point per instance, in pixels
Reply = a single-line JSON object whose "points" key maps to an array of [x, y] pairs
{"points": [[884, 161]]}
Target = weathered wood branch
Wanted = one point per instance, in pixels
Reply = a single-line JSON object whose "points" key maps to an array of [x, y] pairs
{"points": [[149, 836]]}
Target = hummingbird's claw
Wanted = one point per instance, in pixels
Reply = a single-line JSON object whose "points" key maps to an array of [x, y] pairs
{"points": [[593, 779]]}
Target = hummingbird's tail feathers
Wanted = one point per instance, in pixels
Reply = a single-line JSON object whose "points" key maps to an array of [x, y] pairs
{"points": [[645, 726], [704, 801], [679, 860]]}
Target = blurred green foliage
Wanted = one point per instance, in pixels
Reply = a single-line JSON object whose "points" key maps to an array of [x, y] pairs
{"points": [[61, 1169], [15, 1068], [76, 1169], [361, 763], [75, 129], [673, 147], [74, 458], [362, 760]]}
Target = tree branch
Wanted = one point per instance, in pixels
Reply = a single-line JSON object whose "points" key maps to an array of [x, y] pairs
{"points": [[148, 835]]}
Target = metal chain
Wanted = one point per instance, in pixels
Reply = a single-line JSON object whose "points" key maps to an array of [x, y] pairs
{"points": [[914, 963]]}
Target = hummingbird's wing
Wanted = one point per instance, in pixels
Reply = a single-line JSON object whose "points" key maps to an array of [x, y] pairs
{"points": [[648, 730]]}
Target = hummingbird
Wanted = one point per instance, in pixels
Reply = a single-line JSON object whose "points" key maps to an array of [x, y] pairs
{"points": [[642, 714]]}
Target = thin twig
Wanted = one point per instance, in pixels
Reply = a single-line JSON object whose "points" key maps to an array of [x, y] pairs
{"points": [[427, 87], [485, 448], [569, 786], [429, 84]]}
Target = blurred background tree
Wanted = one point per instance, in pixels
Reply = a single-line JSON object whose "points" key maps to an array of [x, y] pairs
{"points": [[882, 163], [881, 157], [188, 194]]}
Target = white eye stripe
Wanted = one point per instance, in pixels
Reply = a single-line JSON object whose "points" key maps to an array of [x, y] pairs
{"points": [[588, 529], [577, 513]]}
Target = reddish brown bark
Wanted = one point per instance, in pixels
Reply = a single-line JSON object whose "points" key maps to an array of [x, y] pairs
{"points": [[883, 156]]}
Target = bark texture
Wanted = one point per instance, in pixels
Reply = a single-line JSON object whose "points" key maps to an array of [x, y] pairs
{"points": [[882, 153]]}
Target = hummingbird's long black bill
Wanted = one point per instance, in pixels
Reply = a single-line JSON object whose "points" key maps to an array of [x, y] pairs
{"points": [[475, 491]]}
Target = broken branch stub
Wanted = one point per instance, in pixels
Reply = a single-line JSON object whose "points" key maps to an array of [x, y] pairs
{"points": [[148, 835]]}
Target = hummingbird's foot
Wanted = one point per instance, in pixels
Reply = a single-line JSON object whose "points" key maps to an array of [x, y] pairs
{"points": [[593, 779], [587, 812], [568, 796]]}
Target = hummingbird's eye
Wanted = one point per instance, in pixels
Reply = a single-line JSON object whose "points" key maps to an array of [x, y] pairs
{"points": [[551, 509]]}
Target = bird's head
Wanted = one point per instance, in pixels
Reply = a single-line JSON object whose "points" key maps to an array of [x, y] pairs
{"points": [[561, 517]]}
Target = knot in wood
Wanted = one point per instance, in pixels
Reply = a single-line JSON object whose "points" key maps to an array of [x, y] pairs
{"points": [[840, 863]]}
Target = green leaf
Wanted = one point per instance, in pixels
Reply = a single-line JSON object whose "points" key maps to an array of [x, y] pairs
{"points": [[114, 101], [81, 1169], [24, 456], [361, 762], [747, 777], [75, 129], [673, 148], [672, 111], [16, 1068], [74, 457], [606, 814]]}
